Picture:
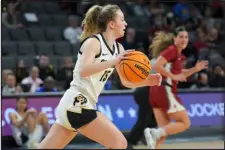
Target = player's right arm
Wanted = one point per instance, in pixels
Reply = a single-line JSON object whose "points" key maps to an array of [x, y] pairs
{"points": [[89, 49], [19, 124], [167, 56], [16, 123]]}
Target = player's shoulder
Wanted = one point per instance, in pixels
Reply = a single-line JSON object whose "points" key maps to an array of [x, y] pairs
{"points": [[172, 48], [93, 39], [90, 42], [120, 47]]}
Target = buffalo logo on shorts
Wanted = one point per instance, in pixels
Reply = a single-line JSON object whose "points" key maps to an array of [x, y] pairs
{"points": [[80, 99]]}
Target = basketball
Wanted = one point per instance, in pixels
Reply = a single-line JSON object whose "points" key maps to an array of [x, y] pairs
{"points": [[135, 67]]}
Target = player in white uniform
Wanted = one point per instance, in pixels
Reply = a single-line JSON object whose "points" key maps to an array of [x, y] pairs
{"points": [[98, 55], [27, 126]]}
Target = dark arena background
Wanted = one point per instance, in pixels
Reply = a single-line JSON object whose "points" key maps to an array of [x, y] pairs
{"points": [[40, 38]]}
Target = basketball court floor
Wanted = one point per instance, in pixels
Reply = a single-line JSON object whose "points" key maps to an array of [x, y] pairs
{"points": [[215, 142], [190, 143]]}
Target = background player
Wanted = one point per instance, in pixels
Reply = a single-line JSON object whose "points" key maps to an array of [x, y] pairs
{"points": [[164, 100], [97, 57], [28, 127]]}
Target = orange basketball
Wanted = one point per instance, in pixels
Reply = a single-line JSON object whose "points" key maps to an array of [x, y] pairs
{"points": [[135, 67]]}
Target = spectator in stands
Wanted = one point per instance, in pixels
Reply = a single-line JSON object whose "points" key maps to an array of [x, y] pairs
{"points": [[129, 41], [218, 8], [190, 26], [182, 10], [11, 87], [21, 71], [27, 126], [208, 19], [201, 44], [33, 81], [217, 77], [156, 8], [12, 17], [140, 9], [45, 68], [213, 40], [202, 81], [5, 74], [73, 32], [48, 86], [158, 25], [65, 73]]}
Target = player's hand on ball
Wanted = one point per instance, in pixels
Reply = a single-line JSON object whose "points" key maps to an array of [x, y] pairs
{"points": [[122, 55], [154, 79]]}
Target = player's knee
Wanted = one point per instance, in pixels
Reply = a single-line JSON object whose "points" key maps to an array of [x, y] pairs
{"points": [[120, 143], [42, 115], [187, 123], [30, 118]]}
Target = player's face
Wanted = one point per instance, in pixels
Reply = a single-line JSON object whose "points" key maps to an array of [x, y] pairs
{"points": [[119, 24], [21, 104], [181, 40]]}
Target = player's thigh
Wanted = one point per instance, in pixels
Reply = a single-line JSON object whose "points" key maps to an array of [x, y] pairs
{"points": [[161, 116], [57, 138], [103, 131]]}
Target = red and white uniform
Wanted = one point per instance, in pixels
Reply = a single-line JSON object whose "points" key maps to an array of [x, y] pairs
{"points": [[165, 97]]}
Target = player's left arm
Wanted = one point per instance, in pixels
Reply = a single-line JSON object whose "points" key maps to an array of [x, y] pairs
{"points": [[151, 80], [200, 65]]}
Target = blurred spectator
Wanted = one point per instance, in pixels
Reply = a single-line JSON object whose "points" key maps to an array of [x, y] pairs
{"points": [[214, 43], [156, 8], [73, 32], [182, 10], [12, 17], [5, 74], [217, 77], [213, 39], [202, 81], [65, 73], [45, 68], [33, 81], [129, 41], [21, 71], [208, 19], [190, 26], [71, 7], [158, 25], [201, 42], [48, 86], [217, 8], [140, 9], [11, 87]]}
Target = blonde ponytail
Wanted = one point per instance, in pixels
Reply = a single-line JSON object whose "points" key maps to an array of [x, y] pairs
{"points": [[160, 42], [90, 22]]}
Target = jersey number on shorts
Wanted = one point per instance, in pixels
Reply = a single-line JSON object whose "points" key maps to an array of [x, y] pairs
{"points": [[80, 99], [105, 76]]}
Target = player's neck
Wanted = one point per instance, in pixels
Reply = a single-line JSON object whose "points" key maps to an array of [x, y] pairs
{"points": [[179, 49], [109, 37]]}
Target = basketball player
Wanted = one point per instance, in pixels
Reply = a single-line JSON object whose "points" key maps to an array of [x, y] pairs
{"points": [[27, 127], [166, 104], [98, 55]]}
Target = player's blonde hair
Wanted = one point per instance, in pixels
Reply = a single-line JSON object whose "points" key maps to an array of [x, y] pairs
{"points": [[162, 40], [97, 18]]}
